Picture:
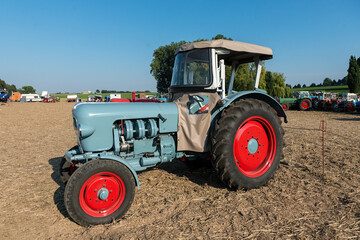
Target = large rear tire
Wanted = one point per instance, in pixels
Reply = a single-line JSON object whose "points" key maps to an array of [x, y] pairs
{"points": [[305, 104], [99, 192], [247, 144]]}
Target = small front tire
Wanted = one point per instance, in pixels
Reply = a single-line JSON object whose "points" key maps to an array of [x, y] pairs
{"points": [[99, 192]]}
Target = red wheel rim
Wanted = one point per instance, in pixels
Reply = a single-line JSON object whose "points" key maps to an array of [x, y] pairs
{"points": [[284, 106], [305, 105], [254, 161], [92, 203]]}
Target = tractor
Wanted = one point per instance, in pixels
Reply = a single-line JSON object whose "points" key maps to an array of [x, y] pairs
{"points": [[348, 102], [328, 101], [4, 95], [300, 100], [240, 133]]}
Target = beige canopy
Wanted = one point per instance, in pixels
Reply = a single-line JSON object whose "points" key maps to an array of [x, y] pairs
{"points": [[239, 51]]}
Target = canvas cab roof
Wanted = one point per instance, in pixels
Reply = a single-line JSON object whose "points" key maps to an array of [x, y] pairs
{"points": [[238, 51]]}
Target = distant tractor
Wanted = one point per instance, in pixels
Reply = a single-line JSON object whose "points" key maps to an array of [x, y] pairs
{"points": [[348, 102], [4, 95], [240, 133], [303, 100], [300, 100], [49, 99], [328, 101], [287, 103]]}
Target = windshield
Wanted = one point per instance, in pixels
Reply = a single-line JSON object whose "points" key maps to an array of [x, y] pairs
{"points": [[192, 68]]}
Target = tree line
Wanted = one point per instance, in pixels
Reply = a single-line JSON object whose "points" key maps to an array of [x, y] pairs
{"points": [[326, 82], [12, 88], [352, 79], [164, 57]]}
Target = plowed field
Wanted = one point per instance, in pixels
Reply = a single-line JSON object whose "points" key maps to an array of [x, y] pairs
{"points": [[178, 202]]}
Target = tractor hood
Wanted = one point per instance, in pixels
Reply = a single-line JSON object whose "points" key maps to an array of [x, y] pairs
{"points": [[94, 121]]}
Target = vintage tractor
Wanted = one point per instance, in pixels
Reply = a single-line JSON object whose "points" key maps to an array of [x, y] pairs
{"points": [[327, 102], [348, 102], [303, 100], [240, 132], [4, 95], [300, 100]]}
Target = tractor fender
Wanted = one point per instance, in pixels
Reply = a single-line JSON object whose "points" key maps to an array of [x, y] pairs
{"points": [[122, 161], [256, 94]]}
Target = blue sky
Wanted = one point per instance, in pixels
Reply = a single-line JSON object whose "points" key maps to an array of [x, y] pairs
{"points": [[87, 45]]}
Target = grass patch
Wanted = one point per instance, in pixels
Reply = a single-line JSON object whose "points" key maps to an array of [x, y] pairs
{"points": [[336, 89]]}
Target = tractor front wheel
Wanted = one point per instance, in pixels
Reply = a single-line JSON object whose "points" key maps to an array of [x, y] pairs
{"points": [[285, 106], [247, 144], [99, 192]]}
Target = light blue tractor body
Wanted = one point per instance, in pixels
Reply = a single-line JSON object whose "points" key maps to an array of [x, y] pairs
{"points": [[149, 130]]}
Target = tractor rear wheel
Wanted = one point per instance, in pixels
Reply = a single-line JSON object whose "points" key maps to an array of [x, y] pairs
{"points": [[99, 192], [305, 104], [247, 144], [349, 107]]}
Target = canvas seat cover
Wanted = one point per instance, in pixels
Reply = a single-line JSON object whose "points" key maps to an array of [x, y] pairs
{"points": [[193, 129]]}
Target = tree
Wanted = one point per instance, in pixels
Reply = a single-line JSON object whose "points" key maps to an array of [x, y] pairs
{"points": [[313, 85], [220, 36], [275, 85], [353, 77], [97, 91], [162, 65], [27, 89], [10, 88], [304, 86], [327, 82]]}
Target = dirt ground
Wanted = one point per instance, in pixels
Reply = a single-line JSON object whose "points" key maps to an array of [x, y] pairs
{"points": [[178, 202]]}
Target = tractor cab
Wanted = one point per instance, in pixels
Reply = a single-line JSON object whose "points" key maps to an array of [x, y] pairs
{"points": [[200, 66], [198, 86]]}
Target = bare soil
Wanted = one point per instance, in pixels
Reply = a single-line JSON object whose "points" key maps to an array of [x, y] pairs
{"points": [[178, 202]]}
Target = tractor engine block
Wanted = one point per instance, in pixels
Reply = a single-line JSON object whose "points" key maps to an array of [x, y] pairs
{"points": [[138, 129], [140, 138]]}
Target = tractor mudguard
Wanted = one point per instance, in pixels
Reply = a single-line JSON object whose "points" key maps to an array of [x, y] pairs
{"points": [[256, 94], [126, 164]]}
